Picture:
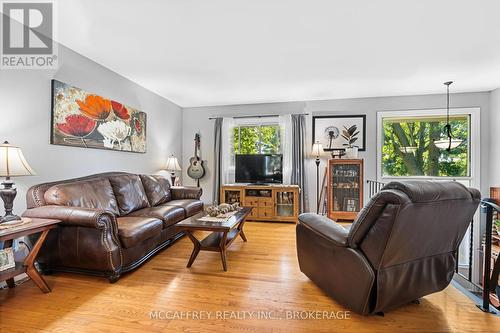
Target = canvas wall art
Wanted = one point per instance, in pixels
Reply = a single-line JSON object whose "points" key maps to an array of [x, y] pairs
{"points": [[87, 120], [329, 129]]}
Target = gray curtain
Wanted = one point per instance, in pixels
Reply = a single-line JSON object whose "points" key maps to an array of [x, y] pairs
{"points": [[217, 159], [298, 157]]}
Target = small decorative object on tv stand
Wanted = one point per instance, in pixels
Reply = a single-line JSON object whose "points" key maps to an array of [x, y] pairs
{"points": [[12, 164], [274, 203]]}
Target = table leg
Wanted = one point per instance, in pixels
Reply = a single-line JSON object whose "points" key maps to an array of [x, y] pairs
{"points": [[10, 282], [223, 247], [196, 248], [29, 262], [240, 229], [242, 234]]}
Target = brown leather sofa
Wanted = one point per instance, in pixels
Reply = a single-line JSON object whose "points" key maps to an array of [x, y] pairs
{"points": [[111, 222], [400, 247]]}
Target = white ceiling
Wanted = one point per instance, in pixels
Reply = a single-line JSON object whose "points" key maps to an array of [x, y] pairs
{"points": [[200, 52]]}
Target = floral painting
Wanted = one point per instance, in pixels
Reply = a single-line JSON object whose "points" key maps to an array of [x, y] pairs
{"points": [[83, 119]]}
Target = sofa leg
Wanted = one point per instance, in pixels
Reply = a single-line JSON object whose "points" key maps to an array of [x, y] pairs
{"points": [[416, 301], [113, 278]]}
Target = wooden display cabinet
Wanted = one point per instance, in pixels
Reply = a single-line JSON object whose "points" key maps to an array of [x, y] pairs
{"points": [[277, 203], [345, 189]]}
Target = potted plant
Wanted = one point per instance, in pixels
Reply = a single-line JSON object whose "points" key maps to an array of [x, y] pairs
{"points": [[350, 134]]}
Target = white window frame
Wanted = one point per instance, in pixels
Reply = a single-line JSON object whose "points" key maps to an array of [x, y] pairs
{"points": [[474, 142], [257, 122]]}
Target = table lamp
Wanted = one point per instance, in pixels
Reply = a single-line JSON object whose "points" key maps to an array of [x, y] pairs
{"points": [[317, 151], [12, 164], [172, 166]]}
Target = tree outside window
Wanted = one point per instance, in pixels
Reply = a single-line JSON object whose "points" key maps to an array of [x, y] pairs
{"points": [[408, 147], [257, 139]]}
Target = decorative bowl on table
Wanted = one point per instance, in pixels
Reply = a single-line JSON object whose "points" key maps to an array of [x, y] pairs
{"points": [[222, 209], [212, 211]]}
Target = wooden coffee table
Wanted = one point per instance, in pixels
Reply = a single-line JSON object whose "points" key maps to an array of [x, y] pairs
{"points": [[223, 233]]}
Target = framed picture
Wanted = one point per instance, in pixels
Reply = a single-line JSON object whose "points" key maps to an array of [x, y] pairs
{"points": [[329, 129], [7, 259], [86, 120]]}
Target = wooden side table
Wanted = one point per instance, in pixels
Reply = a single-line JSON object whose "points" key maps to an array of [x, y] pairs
{"points": [[28, 266]]}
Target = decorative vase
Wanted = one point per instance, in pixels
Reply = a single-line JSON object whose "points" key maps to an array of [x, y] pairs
{"points": [[351, 152]]}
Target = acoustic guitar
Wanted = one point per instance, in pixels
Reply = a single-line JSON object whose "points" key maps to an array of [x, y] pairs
{"points": [[196, 170]]}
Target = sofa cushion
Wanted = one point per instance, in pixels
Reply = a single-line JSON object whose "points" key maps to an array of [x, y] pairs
{"points": [[191, 206], [168, 214], [96, 193], [157, 189], [133, 230], [129, 193]]}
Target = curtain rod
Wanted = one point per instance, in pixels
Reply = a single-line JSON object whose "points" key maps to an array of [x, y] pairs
{"points": [[255, 116]]}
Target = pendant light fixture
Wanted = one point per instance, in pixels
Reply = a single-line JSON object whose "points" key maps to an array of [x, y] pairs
{"points": [[408, 150], [450, 142]]}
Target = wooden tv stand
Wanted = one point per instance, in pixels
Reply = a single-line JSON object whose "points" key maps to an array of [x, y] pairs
{"points": [[274, 203]]}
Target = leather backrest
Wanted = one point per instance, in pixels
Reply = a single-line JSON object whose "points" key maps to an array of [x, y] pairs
{"points": [[409, 220], [129, 193], [95, 193], [35, 194], [157, 189]]}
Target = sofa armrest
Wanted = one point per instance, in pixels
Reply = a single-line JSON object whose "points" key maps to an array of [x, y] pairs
{"points": [[186, 192], [75, 216], [325, 228], [87, 239]]}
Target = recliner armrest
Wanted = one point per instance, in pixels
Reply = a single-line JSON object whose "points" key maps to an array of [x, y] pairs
{"points": [[325, 227], [186, 192]]}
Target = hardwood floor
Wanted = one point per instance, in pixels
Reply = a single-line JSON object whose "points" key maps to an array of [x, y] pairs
{"points": [[263, 276]]}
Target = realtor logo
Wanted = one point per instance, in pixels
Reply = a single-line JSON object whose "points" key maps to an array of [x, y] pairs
{"points": [[27, 35]]}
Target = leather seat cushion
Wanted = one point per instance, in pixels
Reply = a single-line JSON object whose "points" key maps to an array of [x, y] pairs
{"points": [[168, 214], [129, 193], [191, 206], [96, 193], [157, 189], [133, 230]]}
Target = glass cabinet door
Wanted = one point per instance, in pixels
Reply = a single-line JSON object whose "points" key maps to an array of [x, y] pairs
{"points": [[346, 187], [285, 201], [232, 196]]}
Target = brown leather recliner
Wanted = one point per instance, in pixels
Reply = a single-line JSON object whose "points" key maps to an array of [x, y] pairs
{"points": [[400, 247], [111, 222]]}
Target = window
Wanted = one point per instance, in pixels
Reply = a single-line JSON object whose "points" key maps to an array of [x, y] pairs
{"points": [[257, 139], [408, 146]]}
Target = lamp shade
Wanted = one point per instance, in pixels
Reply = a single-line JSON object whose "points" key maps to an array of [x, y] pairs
{"points": [[12, 162], [172, 164], [317, 149], [447, 143]]}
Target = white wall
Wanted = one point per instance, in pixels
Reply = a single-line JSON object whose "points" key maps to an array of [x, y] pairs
{"points": [[494, 151], [25, 111], [196, 119]]}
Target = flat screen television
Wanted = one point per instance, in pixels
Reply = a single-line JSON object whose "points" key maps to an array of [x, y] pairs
{"points": [[262, 168]]}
